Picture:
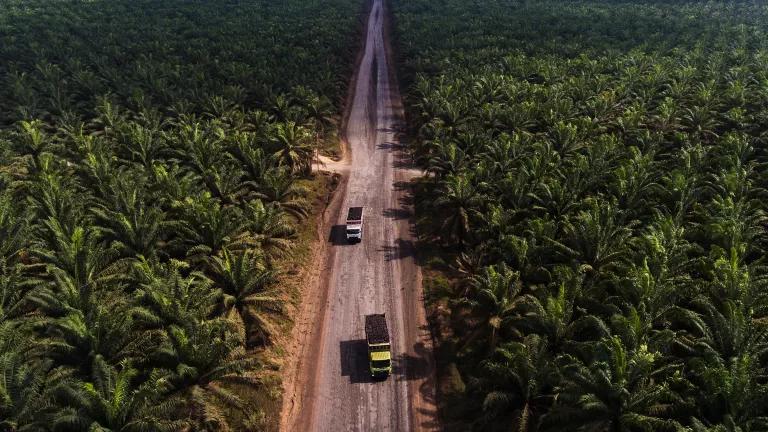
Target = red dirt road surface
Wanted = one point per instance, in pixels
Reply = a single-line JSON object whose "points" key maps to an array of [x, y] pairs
{"points": [[327, 385]]}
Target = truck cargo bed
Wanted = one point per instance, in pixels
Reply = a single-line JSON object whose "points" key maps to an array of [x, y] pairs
{"points": [[355, 214], [376, 331]]}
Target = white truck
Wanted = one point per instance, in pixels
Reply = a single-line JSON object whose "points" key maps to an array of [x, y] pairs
{"points": [[355, 225]]}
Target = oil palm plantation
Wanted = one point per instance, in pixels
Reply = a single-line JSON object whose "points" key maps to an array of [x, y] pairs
{"points": [[149, 194], [616, 170]]}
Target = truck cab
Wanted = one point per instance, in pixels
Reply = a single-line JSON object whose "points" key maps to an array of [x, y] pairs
{"points": [[380, 360]]}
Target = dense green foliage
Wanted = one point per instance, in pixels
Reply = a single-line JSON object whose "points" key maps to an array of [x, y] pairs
{"points": [[60, 58], [598, 171], [151, 155]]}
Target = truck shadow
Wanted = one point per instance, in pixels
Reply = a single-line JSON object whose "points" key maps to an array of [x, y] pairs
{"points": [[354, 361], [338, 235]]}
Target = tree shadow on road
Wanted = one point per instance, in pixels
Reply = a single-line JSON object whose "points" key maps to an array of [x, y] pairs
{"points": [[354, 361], [413, 366], [406, 200], [391, 146], [404, 163], [404, 159], [401, 250], [419, 365], [397, 213], [402, 185]]}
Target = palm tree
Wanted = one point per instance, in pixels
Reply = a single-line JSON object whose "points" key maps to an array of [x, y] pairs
{"points": [[205, 226], [271, 227], [635, 183], [723, 362], [109, 118], [515, 381], [244, 280], [735, 224], [283, 109], [319, 110], [458, 203], [504, 152], [254, 160], [25, 382], [616, 390], [112, 400], [557, 316], [200, 145], [14, 226], [556, 200], [79, 259], [281, 190], [79, 325], [166, 297], [170, 184], [727, 426], [14, 293], [565, 138], [292, 148], [55, 195], [225, 182], [143, 145], [129, 225], [447, 159], [597, 236], [199, 356], [702, 121], [495, 301], [204, 359], [33, 140]]}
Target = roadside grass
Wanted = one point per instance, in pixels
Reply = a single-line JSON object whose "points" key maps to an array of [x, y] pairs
{"points": [[293, 274]]}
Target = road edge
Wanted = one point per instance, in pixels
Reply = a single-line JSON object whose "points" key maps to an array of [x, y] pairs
{"points": [[314, 298]]}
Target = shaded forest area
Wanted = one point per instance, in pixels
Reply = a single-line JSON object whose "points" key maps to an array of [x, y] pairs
{"points": [[593, 214], [153, 164]]}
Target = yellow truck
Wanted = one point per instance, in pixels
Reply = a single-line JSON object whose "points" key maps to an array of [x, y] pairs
{"points": [[379, 350]]}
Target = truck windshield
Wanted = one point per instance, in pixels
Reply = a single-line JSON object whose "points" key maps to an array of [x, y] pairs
{"points": [[353, 231], [380, 364]]}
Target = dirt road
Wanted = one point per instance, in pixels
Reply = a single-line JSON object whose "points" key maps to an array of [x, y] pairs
{"points": [[331, 389]]}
